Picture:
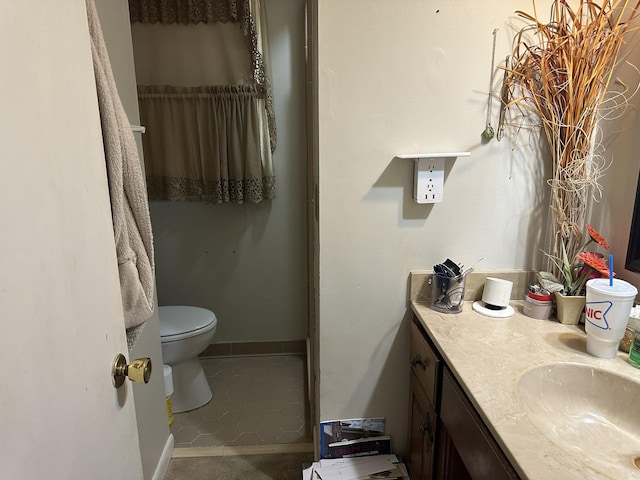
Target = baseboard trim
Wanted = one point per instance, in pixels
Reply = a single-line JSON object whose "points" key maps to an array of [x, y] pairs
{"points": [[165, 458], [239, 349], [228, 450]]}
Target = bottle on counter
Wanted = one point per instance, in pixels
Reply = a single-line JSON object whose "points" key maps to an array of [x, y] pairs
{"points": [[634, 327]]}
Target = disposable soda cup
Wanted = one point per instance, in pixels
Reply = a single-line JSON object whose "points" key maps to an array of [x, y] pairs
{"points": [[606, 314]]}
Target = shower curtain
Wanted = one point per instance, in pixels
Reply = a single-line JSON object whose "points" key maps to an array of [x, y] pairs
{"points": [[208, 111]]}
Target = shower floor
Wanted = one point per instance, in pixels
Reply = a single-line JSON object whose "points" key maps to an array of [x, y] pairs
{"points": [[256, 401]]}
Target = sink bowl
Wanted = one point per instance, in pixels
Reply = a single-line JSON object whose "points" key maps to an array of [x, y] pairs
{"points": [[590, 413]]}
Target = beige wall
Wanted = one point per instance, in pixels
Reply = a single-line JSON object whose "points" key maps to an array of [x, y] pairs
{"points": [[409, 77], [247, 263]]}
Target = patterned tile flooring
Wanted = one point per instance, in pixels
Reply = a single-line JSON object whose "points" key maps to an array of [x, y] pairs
{"points": [[256, 401]]}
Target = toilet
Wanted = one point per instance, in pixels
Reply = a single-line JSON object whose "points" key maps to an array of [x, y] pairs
{"points": [[185, 332]]}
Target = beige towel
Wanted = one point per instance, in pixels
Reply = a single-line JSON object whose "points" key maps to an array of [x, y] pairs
{"points": [[129, 204]]}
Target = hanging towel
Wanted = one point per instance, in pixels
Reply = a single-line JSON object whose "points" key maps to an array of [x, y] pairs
{"points": [[129, 203]]}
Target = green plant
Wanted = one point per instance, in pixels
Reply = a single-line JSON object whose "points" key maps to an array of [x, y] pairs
{"points": [[577, 270]]}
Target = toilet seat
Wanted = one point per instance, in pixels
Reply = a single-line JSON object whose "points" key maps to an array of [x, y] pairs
{"points": [[180, 322]]}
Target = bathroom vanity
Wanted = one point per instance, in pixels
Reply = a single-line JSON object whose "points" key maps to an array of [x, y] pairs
{"points": [[470, 416], [447, 438]]}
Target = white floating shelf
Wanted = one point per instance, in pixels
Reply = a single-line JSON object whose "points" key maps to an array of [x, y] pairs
{"points": [[434, 155], [428, 183]]}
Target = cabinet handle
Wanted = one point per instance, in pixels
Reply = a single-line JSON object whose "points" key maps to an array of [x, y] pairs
{"points": [[418, 361], [425, 428]]}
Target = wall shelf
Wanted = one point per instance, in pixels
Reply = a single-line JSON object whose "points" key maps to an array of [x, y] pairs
{"points": [[416, 156]]}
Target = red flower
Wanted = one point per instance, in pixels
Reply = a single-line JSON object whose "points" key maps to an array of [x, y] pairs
{"points": [[596, 237], [595, 261]]}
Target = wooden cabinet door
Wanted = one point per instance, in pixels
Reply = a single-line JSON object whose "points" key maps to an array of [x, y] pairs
{"points": [[422, 423], [449, 465], [476, 447]]}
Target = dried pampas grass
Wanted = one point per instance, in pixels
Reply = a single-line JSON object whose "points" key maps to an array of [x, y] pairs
{"points": [[560, 72]]}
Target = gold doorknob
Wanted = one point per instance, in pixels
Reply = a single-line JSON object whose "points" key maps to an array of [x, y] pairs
{"points": [[139, 370]]}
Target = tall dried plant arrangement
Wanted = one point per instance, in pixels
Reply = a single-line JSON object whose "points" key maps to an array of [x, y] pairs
{"points": [[561, 71]]}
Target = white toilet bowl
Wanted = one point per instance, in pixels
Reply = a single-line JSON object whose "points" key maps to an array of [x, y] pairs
{"points": [[185, 332]]}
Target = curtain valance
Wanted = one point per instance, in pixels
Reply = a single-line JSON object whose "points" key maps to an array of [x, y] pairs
{"points": [[216, 149], [188, 11]]}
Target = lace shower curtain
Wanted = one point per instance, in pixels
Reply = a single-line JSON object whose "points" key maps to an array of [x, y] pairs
{"points": [[208, 112]]}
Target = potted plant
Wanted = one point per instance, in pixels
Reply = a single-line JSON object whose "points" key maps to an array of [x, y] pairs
{"points": [[559, 77], [569, 288]]}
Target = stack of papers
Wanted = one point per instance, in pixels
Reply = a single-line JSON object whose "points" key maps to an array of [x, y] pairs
{"points": [[357, 468]]}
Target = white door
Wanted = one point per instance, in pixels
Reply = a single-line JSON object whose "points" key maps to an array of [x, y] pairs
{"points": [[61, 318]]}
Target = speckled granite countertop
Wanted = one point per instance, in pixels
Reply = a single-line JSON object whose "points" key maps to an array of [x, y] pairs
{"points": [[488, 355]]}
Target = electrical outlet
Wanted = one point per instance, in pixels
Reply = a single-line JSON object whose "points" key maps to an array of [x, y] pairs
{"points": [[429, 180]]}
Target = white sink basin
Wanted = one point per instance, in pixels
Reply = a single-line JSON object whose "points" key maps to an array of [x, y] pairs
{"points": [[590, 413]]}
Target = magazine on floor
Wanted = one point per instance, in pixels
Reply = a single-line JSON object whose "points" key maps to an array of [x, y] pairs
{"points": [[353, 437]]}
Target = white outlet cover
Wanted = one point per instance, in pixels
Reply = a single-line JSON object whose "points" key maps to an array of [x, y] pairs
{"points": [[428, 180]]}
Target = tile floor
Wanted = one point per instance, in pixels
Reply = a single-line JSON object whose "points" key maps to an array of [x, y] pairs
{"points": [[287, 466], [256, 401]]}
